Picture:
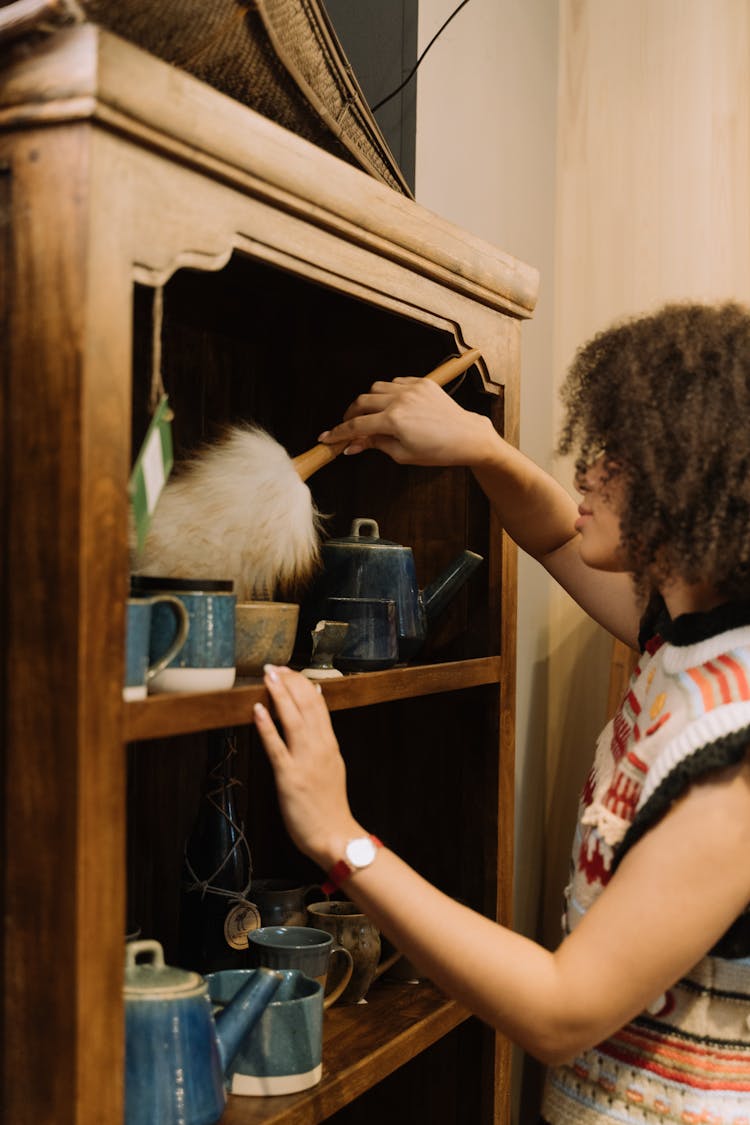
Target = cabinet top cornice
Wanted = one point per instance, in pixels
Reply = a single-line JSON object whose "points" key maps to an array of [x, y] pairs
{"points": [[88, 74]]}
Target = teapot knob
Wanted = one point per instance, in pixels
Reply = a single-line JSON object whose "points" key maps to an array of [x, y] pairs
{"points": [[134, 949], [370, 527]]}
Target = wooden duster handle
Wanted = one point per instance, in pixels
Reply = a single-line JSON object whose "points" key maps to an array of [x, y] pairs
{"points": [[313, 459]]}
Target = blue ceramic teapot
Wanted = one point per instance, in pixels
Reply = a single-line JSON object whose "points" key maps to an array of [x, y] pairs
{"points": [[176, 1054], [365, 566]]}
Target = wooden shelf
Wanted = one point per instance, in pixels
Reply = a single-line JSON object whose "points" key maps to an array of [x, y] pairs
{"points": [[161, 716], [362, 1044]]}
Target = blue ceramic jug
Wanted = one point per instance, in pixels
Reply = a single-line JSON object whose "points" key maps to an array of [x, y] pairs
{"points": [[176, 1054]]}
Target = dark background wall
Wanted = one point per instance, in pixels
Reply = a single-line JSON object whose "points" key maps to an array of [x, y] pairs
{"points": [[379, 38]]}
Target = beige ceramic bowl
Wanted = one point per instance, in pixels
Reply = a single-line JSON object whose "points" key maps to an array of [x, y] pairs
{"points": [[264, 634]]}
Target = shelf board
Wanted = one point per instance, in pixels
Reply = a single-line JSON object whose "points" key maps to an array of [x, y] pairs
{"points": [[161, 716], [362, 1044]]}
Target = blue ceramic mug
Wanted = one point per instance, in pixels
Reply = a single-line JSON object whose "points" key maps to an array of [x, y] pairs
{"points": [[142, 663], [206, 661], [313, 952], [284, 1051]]}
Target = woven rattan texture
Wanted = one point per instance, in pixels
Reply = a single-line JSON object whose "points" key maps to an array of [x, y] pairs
{"points": [[280, 57]]}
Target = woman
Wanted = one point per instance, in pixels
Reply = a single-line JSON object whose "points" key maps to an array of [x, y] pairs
{"points": [[643, 1010]]}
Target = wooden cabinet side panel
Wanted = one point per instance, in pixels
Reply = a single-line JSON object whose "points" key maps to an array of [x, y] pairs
{"points": [[63, 548]]}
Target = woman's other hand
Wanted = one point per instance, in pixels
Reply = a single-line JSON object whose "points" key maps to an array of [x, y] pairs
{"points": [[308, 767]]}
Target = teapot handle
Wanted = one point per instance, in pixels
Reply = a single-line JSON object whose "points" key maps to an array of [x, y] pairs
{"points": [[133, 949]]}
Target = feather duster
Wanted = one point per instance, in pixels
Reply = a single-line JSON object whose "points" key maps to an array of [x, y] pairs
{"points": [[237, 510]]}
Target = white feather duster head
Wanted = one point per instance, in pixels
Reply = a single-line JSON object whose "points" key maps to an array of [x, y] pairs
{"points": [[236, 510]]}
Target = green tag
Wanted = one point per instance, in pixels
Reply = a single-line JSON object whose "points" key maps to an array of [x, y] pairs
{"points": [[151, 470]]}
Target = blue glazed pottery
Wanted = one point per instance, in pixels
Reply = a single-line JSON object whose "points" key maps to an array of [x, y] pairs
{"points": [[283, 1052], [371, 640], [313, 952], [362, 565], [206, 661], [176, 1054], [140, 664]]}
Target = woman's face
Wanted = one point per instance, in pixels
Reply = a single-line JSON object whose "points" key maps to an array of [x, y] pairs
{"points": [[598, 524]]}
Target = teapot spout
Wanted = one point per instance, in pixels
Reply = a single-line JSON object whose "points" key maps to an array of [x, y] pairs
{"points": [[436, 596], [242, 1013]]}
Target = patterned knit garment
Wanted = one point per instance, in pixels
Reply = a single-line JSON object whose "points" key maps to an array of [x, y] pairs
{"points": [[686, 1059]]}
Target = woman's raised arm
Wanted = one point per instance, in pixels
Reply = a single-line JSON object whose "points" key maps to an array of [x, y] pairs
{"points": [[415, 422]]}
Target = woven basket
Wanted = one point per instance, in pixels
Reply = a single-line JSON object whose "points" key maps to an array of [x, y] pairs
{"points": [[281, 57]]}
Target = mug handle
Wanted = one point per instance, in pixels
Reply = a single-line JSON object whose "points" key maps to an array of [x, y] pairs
{"points": [[345, 974], [183, 625]]}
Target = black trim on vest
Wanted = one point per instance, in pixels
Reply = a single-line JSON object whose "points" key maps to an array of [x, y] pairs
{"points": [[691, 628], [727, 751]]}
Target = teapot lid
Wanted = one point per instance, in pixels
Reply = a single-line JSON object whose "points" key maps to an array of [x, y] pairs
{"points": [[151, 978], [364, 533]]}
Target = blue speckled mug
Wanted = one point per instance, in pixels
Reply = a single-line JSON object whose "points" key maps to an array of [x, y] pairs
{"points": [[283, 1052], [206, 661], [142, 664]]}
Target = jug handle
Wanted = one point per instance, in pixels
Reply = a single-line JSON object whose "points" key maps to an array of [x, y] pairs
{"points": [[313, 893], [387, 963]]}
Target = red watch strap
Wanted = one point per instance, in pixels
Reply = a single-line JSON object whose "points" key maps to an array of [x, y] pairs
{"points": [[341, 871]]}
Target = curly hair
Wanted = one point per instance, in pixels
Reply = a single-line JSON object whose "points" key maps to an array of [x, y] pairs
{"points": [[666, 399]]}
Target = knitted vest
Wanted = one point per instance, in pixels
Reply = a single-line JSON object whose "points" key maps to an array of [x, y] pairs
{"points": [[686, 1058]]}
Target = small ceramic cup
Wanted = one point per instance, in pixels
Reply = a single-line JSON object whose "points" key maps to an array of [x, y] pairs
{"points": [[141, 663], [313, 952], [283, 1053], [354, 931], [264, 634], [206, 660], [372, 637]]}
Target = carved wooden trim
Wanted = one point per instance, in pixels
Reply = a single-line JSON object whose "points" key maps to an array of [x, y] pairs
{"points": [[87, 72]]}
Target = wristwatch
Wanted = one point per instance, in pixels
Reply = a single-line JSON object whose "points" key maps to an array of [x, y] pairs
{"points": [[358, 854]]}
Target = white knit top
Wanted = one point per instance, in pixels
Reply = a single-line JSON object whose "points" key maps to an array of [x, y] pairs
{"points": [[686, 712]]}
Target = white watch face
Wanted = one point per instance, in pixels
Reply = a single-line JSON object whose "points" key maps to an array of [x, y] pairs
{"points": [[360, 852]]}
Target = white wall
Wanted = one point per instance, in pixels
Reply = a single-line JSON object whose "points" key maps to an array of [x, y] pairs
{"points": [[485, 159]]}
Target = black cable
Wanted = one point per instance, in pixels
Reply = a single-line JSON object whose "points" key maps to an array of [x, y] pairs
{"points": [[413, 70]]}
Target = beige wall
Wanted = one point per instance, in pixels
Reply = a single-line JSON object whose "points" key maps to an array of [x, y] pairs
{"points": [[606, 142], [653, 204]]}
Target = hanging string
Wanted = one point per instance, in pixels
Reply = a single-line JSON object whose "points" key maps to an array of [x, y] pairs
{"points": [[413, 70], [205, 886], [157, 322]]}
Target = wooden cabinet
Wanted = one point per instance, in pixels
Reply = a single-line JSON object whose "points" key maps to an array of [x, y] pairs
{"points": [[291, 280]]}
